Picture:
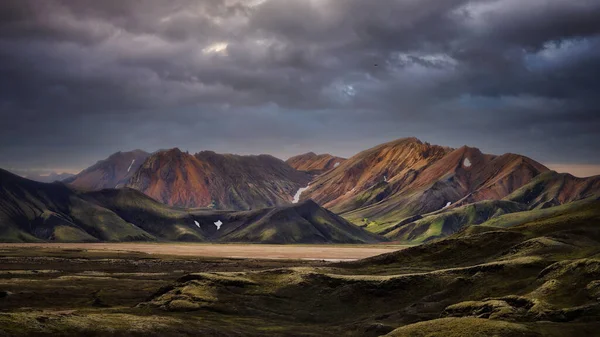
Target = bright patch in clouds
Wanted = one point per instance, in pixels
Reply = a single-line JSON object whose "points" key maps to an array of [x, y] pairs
{"points": [[216, 48]]}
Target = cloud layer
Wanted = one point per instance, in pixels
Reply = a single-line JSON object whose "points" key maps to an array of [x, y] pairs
{"points": [[82, 79]]}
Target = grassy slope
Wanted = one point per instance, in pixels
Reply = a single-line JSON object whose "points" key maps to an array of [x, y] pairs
{"points": [[31, 211], [303, 223], [444, 223], [513, 219], [546, 195]]}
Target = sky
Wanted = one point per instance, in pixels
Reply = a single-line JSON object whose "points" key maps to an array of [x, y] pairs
{"points": [[80, 80]]}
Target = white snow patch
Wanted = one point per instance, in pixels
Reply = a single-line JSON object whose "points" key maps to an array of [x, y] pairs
{"points": [[130, 165], [467, 162], [336, 164], [447, 205], [197, 224], [218, 224], [298, 193], [385, 179]]}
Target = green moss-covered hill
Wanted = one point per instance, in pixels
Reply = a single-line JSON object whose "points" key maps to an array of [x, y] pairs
{"points": [[32, 211]]}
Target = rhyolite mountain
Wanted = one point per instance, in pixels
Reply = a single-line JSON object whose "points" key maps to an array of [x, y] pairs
{"points": [[390, 188], [111, 172], [31, 212], [547, 195], [220, 181], [314, 163]]}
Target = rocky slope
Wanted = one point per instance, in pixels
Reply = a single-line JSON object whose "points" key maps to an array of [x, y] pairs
{"points": [[548, 194], [374, 174], [220, 181], [315, 163], [111, 172], [32, 211], [552, 189], [398, 180]]}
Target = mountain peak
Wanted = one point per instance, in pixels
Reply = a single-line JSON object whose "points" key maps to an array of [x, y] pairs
{"points": [[222, 181], [111, 172], [315, 163]]}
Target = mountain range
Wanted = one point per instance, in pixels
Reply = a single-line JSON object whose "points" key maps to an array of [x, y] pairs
{"points": [[31, 211], [43, 177], [404, 191]]}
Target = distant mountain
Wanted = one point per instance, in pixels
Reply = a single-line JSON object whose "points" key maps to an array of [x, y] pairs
{"points": [[220, 181], [32, 211], [546, 195], [372, 171], [398, 180], [111, 172], [314, 163], [552, 189], [45, 177]]}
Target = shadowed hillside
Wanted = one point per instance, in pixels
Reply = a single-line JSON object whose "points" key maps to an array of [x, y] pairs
{"points": [[111, 172], [32, 211]]}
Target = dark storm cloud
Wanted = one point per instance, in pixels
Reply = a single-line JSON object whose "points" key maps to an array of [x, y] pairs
{"points": [[82, 79]]}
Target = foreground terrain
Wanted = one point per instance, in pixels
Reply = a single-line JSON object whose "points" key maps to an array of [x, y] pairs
{"points": [[540, 277]]}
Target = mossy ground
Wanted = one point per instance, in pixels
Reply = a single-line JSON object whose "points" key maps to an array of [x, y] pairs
{"points": [[539, 278]]}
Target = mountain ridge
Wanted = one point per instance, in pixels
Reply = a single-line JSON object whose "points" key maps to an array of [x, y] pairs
{"points": [[111, 172], [221, 181], [315, 163], [31, 212]]}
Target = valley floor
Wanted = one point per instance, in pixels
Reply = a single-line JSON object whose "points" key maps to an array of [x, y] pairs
{"points": [[257, 251]]}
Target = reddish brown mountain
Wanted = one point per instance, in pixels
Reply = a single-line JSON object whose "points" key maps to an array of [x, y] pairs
{"points": [[407, 177], [221, 181], [112, 172], [384, 168], [315, 163], [552, 189]]}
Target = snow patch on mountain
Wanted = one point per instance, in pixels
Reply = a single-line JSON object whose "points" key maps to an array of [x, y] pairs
{"points": [[298, 193], [218, 224], [467, 162], [130, 165]]}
